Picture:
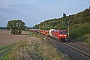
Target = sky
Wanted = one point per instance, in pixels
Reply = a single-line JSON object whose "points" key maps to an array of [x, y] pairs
{"points": [[33, 12]]}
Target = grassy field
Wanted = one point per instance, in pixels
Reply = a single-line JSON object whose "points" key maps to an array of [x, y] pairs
{"points": [[34, 47]]}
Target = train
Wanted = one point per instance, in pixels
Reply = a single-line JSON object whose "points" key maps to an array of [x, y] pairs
{"points": [[60, 35]]}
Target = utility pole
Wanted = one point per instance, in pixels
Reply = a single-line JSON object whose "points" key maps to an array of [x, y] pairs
{"points": [[68, 29], [39, 29]]}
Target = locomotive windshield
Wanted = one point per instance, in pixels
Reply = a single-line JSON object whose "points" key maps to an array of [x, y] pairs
{"points": [[62, 32]]}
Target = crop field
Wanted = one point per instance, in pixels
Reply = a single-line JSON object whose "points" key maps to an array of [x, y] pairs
{"points": [[6, 38]]}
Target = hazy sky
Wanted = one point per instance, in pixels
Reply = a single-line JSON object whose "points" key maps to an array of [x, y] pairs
{"points": [[35, 11]]}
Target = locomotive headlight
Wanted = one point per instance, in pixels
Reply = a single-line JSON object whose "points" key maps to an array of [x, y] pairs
{"points": [[65, 35], [60, 35]]}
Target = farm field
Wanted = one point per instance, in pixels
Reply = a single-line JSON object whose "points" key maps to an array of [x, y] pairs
{"points": [[6, 38]]}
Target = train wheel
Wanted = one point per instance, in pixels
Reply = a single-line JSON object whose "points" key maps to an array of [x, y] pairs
{"points": [[61, 40]]}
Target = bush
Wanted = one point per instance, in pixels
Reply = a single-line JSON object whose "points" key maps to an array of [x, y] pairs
{"points": [[79, 31]]}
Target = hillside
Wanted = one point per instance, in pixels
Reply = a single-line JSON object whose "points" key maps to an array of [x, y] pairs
{"points": [[79, 24]]}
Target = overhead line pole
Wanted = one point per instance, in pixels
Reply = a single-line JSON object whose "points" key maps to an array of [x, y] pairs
{"points": [[68, 29], [39, 29]]}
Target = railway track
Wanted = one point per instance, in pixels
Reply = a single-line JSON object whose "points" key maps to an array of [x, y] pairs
{"points": [[6, 49], [79, 47], [84, 49], [81, 51]]}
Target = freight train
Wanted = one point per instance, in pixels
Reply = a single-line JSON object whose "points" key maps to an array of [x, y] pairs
{"points": [[60, 35]]}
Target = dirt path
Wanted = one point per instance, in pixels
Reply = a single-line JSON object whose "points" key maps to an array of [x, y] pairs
{"points": [[6, 38]]}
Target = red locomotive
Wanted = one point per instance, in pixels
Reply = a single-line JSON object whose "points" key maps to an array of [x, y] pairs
{"points": [[61, 35]]}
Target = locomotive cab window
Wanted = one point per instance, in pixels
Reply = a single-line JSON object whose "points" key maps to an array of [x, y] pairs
{"points": [[62, 32]]}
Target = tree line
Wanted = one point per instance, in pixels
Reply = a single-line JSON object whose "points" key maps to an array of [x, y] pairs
{"points": [[79, 18]]}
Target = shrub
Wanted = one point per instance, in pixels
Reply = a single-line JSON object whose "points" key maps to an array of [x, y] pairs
{"points": [[79, 31]]}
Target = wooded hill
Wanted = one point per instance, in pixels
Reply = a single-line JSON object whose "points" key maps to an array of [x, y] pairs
{"points": [[79, 23]]}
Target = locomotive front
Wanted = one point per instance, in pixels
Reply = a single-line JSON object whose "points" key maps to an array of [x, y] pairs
{"points": [[62, 35]]}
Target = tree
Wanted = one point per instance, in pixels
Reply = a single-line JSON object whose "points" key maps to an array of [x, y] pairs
{"points": [[16, 26], [64, 15]]}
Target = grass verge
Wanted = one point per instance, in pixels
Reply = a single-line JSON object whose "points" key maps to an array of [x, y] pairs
{"points": [[36, 48], [6, 50]]}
